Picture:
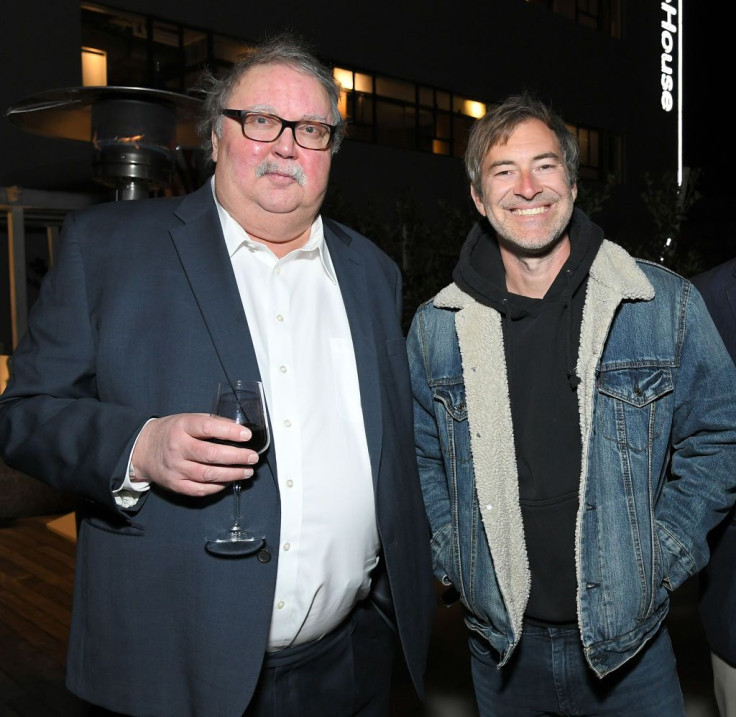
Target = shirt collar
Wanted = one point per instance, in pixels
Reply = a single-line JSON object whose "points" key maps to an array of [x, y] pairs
{"points": [[236, 237]]}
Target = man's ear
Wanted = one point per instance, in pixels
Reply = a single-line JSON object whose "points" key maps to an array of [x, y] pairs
{"points": [[477, 200], [215, 146], [574, 190]]}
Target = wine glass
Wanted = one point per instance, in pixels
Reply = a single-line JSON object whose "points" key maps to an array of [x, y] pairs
{"points": [[243, 402]]}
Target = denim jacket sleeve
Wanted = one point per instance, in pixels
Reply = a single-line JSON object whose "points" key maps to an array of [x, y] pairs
{"points": [[430, 460], [702, 484]]}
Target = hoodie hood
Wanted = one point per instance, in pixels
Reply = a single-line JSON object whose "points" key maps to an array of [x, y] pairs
{"points": [[481, 274], [540, 340]]}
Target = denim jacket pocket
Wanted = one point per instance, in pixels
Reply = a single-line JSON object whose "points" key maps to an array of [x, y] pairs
{"points": [[631, 417], [452, 397], [452, 417]]}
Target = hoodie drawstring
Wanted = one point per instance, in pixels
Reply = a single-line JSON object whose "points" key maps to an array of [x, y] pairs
{"points": [[572, 375]]}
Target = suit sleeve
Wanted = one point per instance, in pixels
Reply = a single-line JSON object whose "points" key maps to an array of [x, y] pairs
{"points": [[53, 425]]}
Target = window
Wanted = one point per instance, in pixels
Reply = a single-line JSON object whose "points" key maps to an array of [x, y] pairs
{"points": [[601, 15], [148, 52], [403, 114], [601, 153], [143, 51]]}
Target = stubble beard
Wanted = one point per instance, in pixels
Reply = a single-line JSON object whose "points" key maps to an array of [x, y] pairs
{"points": [[524, 246]]}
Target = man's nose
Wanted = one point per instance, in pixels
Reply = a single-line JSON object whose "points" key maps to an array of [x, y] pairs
{"points": [[285, 144], [527, 185]]}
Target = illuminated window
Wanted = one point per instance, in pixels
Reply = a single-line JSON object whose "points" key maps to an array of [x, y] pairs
{"points": [[94, 67], [143, 51], [398, 113], [356, 103], [146, 52], [123, 36]]}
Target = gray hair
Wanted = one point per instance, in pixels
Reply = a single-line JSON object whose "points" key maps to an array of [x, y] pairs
{"points": [[497, 125], [283, 49]]}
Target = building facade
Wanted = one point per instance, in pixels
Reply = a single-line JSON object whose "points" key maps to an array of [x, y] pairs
{"points": [[415, 75]]}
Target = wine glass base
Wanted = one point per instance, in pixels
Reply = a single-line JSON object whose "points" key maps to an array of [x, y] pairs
{"points": [[234, 543]]}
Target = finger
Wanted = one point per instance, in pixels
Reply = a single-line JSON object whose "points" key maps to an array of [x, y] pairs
{"points": [[224, 474], [223, 429], [224, 453]]}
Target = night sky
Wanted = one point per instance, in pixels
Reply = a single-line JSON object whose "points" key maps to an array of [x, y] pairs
{"points": [[709, 127], [705, 68]]}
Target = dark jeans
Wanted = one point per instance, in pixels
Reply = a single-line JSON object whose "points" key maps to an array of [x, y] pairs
{"points": [[346, 674], [548, 675]]}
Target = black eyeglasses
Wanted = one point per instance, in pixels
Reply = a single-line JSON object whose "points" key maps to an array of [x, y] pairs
{"points": [[263, 127]]}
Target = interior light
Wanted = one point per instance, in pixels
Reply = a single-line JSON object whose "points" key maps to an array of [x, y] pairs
{"points": [[344, 78], [474, 109], [94, 67]]}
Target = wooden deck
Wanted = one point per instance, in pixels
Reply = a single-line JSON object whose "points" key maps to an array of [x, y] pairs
{"points": [[36, 576]]}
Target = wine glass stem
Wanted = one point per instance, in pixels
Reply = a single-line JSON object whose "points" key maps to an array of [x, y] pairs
{"points": [[236, 506]]}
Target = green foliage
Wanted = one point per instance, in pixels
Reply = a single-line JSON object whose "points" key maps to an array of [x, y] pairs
{"points": [[668, 206], [425, 249], [590, 200]]}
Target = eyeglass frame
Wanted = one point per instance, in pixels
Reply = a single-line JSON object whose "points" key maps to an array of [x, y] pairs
{"points": [[240, 115]]}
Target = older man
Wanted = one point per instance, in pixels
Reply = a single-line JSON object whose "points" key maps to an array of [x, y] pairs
{"points": [[576, 437], [151, 304]]}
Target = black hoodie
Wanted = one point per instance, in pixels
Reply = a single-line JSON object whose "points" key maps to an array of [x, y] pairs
{"points": [[541, 339]]}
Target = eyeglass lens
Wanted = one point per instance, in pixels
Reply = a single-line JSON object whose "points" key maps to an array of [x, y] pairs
{"points": [[267, 128]]}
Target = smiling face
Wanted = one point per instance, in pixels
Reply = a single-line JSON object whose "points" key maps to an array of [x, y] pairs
{"points": [[526, 195], [273, 189]]}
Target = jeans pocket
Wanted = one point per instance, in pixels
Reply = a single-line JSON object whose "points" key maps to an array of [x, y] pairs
{"points": [[480, 648]]}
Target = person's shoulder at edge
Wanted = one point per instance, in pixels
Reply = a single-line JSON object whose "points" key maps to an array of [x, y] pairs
{"points": [[723, 270], [132, 221]]}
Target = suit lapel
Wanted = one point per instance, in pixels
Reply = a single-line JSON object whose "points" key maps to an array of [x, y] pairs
{"points": [[201, 247], [353, 283]]}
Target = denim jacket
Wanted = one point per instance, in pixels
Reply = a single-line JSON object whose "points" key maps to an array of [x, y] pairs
{"points": [[657, 407]]}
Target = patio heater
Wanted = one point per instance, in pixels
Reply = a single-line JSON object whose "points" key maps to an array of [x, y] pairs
{"points": [[134, 131]]}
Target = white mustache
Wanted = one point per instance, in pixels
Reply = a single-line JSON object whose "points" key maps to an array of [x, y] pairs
{"points": [[268, 166]]}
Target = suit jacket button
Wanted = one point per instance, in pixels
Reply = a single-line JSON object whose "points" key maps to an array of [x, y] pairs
{"points": [[264, 556]]}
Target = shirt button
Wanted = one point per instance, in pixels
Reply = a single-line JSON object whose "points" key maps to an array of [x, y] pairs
{"points": [[279, 317], [290, 483], [277, 270], [282, 369], [280, 604], [287, 546], [287, 423]]}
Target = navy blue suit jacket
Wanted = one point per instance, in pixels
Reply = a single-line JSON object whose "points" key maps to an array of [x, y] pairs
{"points": [[718, 579], [141, 317]]}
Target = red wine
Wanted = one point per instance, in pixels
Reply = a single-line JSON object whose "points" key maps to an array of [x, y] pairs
{"points": [[259, 440], [258, 443]]}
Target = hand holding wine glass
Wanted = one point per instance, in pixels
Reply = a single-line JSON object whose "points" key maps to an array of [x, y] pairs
{"points": [[243, 402]]}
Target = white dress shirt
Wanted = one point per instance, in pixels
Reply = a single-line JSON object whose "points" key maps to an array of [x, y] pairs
{"points": [[300, 332]]}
